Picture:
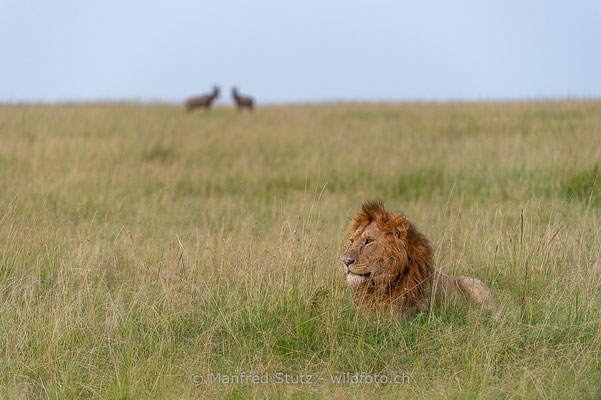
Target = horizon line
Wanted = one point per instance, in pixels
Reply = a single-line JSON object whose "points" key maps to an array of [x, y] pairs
{"points": [[333, 101]]}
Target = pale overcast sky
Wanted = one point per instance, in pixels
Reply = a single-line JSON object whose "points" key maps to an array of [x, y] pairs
{"points": [[296, 51]]}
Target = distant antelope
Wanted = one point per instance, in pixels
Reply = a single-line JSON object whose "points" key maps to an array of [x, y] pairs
{"points": [[242, 101], [202, 101]]}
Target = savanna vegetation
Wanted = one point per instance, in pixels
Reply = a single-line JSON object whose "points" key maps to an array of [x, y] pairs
{"points": [[141, 245]]}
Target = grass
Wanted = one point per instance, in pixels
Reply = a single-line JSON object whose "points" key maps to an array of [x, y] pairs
{"points": [[140, 245]]}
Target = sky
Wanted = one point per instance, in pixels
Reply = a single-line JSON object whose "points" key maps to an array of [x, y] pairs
{"points": [[299, 51]]}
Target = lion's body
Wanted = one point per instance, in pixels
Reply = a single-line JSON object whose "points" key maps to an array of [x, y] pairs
{"points": [[391, 266]]}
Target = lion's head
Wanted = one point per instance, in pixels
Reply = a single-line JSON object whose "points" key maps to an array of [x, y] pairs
{"points": [[386, 258]]}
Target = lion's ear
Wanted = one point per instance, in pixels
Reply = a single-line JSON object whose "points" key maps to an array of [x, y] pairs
{"points": [[400, 226]]}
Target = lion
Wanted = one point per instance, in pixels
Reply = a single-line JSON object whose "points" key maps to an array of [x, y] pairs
{"points": [[390, 265]]}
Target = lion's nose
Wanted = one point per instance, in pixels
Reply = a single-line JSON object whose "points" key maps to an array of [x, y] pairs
{"points": [[347, 260]]}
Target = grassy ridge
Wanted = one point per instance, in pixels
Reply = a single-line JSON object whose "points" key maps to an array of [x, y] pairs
{"points": [[140, 245]]}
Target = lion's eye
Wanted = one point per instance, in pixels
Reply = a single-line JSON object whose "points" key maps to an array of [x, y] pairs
{"points": [[351, 241], [368, 241]]}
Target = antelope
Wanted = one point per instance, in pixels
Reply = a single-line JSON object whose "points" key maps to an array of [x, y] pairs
{"points": [[242, 101], [204, 101]]}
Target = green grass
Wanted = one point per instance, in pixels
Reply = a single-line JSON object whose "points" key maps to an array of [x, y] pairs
{"points": [[140, 245], [584, 185]]}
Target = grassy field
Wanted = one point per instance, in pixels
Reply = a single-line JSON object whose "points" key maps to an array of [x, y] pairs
{"points": [[140, 246]]}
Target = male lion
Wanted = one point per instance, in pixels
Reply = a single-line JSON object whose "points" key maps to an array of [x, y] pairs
{"points": [[391, 266]]}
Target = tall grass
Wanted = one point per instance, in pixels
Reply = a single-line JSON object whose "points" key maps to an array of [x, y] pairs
{"points": [[140, 245]]}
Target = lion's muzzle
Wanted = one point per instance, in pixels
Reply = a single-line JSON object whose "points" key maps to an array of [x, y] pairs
{"points": [[347, 259]]}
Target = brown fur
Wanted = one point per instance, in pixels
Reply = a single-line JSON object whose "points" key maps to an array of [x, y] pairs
{"points": [[242, 101], [205, 101], [392, 265]]}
